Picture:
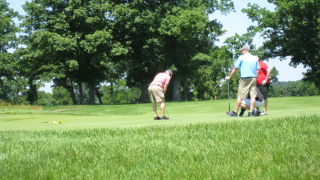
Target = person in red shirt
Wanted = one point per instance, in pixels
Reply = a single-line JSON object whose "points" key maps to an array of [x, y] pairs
{"points": [[157, 90], [263, 84]]}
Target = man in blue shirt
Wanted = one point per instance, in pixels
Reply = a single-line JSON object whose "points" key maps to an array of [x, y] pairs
{"points": [[249, 67]]}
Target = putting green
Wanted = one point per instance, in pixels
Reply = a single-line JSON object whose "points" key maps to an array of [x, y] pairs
{"points": [[139, 115]]}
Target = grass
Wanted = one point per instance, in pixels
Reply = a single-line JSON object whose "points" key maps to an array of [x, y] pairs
{"points": [[123, 142], [140, 115]]}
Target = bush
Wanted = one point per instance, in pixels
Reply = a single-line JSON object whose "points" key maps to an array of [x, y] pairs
{"points": [[119, 93], [292, 88]]}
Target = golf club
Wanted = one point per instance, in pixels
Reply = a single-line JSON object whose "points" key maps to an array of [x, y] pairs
{"points": [[166, 111], [228, 98]]}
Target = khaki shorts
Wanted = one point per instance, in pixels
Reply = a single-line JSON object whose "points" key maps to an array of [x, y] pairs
{"points": [[247, 87], [156, 94]]}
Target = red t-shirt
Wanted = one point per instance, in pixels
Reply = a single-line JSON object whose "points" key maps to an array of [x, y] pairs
{"points": [[262, 73]]}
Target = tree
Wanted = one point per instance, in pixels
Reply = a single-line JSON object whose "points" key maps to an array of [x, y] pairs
{"points": [[119, 93], [60, 96], [70, 42], [165, 34], [292, 30], [293, 88], [208, 83], [11, 85], [135, 25], [189, 36], [274, 75], [81, 44]]}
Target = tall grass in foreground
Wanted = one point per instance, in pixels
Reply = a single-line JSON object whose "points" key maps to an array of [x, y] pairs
{"points": [[284, 148]]}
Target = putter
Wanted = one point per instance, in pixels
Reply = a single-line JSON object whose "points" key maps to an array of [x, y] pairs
{"points": [[228, 99], [166, 111]]}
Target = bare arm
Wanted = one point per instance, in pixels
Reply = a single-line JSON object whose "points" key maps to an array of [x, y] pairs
{"points": [[165, 87], [234, 70], [268, 74]]}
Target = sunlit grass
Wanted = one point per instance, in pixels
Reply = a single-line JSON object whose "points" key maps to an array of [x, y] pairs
{"points": [[123, 142], [140, 115], [284, 148]]}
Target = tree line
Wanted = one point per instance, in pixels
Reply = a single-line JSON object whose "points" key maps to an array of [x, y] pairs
{"points": [[90, 48]]}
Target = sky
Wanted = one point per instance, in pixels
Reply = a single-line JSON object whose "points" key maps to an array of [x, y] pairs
{"points": [[234, 22]]}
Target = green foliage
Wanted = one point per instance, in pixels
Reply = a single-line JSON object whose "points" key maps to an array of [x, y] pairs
{"points": [[13, 90], [12, 86], [210, 75], [81, 44], [44, 99], [60, 96], [69, 42], [77, 42], [292, 30], [119, 93], [295, 88], [7, 27], [274, 75]]}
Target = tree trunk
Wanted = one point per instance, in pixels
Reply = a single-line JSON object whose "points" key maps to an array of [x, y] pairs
{"points": [[70, 89], [32, 95], [176, 89], [186, 91], [111, 93], [81, 97], [68, 85], [144, 97], [99, 95], [318, 87], [3, 95], [91, 93]]}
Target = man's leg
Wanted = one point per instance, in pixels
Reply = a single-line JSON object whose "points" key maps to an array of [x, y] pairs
{"points": [[154, 108], [162, 108], [245, 104], [252, 102], [265, 106], [153, 100], [238, 103], [241, 95]]}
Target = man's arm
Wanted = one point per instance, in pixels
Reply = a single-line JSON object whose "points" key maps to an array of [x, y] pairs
{"points": [[232, 73], [267, 76], [165, 87]]}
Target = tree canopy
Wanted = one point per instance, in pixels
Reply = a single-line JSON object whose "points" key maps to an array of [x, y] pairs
{"points": [[81, 44], [292, 31], [10, 83], [109, 50]]}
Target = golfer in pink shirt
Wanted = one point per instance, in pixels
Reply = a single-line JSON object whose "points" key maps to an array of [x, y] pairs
{"points": [[157, 90]]}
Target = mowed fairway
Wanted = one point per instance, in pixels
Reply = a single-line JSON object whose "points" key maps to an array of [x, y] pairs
{"points": [[138, 115], [124, 142]]}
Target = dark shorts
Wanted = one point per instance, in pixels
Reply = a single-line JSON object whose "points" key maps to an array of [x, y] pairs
{"points": [[264, 89]]}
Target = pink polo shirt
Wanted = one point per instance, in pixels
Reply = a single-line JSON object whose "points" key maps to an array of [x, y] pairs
{"points": [[161, 79]]}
